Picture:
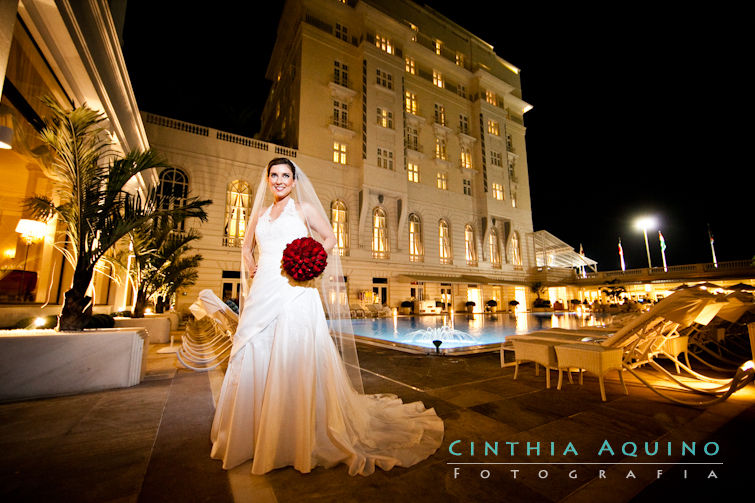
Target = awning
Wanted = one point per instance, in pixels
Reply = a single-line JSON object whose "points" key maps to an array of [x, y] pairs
{"points": [[465, 279], [552, 252]]}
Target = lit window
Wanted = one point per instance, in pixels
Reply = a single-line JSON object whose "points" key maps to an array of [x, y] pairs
{"points": [[438, 46], [340, 222], [379, 234], [459, 59], [385, 118], [494, 249], [513, 197], [416, 250], [341, 114], [341, 74], [467, 187], [444, 242], [516, 252], [440, 148], [498, 191], [339, 152], [437, 78], [491, 98], [442, 180], [410, 102], [410, 67], [466, 157], [412, 138], [413, 172], [496, 159], [463, 124], [384, 79], [238, 204], [440, 114], [493, 127], [384, 44], [342, 32], [385, 158], [469, 245]]}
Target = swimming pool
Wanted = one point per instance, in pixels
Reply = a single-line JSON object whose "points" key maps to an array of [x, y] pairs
{"points": [[463, 333]]}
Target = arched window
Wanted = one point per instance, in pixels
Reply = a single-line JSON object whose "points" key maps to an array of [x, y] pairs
{"points": [[494, 248], [444, 242], [416, 250], [238, 206], [173, 190], [339, 218], [379, 233], [469, 245], [516, 252]]}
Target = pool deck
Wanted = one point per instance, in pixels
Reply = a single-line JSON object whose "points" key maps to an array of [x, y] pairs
{"points": [[151, 442]]}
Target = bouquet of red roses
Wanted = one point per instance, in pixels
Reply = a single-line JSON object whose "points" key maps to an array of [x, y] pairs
{"points": [[304, 259]]}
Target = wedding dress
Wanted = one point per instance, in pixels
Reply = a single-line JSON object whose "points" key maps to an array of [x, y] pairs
{"points": [[286, 398]]}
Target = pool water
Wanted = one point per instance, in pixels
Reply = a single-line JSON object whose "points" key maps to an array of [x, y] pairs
{"points": [[464, 330]]}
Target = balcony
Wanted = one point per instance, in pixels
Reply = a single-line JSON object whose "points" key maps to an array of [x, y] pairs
{"points": [[341, 128]]}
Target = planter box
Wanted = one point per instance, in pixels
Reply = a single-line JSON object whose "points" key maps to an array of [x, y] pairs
{"points": [[158, 327], [42, 363]]}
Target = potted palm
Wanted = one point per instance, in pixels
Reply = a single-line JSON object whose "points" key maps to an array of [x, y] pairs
{"points": [[470, 306], [406, 307], [492, 304], [90, 197], [512, 305]]}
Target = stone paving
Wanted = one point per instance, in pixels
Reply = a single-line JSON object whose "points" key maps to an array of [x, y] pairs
{"points": [[151, 442]]}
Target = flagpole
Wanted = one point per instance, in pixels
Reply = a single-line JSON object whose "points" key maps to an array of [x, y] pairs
{"points": [[712, 248]]}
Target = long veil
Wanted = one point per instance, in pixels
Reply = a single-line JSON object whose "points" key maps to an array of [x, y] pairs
{"points": [[331, 283]]}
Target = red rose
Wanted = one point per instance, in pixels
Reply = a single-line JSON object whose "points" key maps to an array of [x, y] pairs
{"points": [[304, 259]]}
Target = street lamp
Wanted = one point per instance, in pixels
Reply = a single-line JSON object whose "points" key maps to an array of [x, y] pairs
{"points": [[646, 223]]}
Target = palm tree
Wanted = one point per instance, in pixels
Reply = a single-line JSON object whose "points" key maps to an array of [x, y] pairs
{"points": [[89, 183], [160, 264]]}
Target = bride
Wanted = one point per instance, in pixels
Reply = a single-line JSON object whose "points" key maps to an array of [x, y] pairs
{"points": [[292, 393]]}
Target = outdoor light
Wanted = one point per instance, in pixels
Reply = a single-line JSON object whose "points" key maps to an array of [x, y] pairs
{"points": [[38, 322], [6, 137], [31, 231], [646, 223]]}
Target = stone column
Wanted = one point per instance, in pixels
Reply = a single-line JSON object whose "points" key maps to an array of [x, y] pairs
{"points": [[8, 9]]}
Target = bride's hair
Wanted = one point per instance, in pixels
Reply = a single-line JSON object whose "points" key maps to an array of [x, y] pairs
{"points": [[282, 160]]}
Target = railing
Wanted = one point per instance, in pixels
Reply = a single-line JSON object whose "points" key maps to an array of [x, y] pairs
{"points": [[242, 140], [343, 124], [175, 124], [680, 272]]}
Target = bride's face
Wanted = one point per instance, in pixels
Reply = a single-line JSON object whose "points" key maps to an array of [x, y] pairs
{"points": [[281, 180]]}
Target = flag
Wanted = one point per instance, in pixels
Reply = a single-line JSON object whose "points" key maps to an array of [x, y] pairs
{"points": [[621, 256], [581, 250], [663, 241]]}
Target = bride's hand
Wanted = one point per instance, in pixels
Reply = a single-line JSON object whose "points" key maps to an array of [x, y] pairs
{"points": [[252, 270]]}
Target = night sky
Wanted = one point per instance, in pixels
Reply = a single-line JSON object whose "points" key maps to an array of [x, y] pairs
{"points": [[639, 111]]}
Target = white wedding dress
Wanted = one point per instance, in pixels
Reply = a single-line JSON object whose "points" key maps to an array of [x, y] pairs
{"points": [[286, 398]]}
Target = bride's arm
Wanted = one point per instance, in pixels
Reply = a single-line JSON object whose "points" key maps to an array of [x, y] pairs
{"points": [[320, 225], [247, 247]]}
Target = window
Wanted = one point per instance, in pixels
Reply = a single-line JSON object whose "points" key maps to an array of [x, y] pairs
{"points": [[341, 74], [238, 204], [173, 190], [412, 171], [384, 44], [410, 102], [385, 158], [438, 78], [491, 98], [340, 222], [496, 159], [384, 79], [440, 114], [459, 59], [444, 242], [494, 249], [438, 46], [379, 234], [512, 172], [412, 138], [497, 191], [463, 124], [516, 252], [465, 157], [385, 118], [513, 197], [416, 250], [493, 127], [342, 32], [469, 245], [461, 90], [440, 148], [339, 153], [467, 187], [442, 180], [341, 114], [410, 66], [509, 144]]}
